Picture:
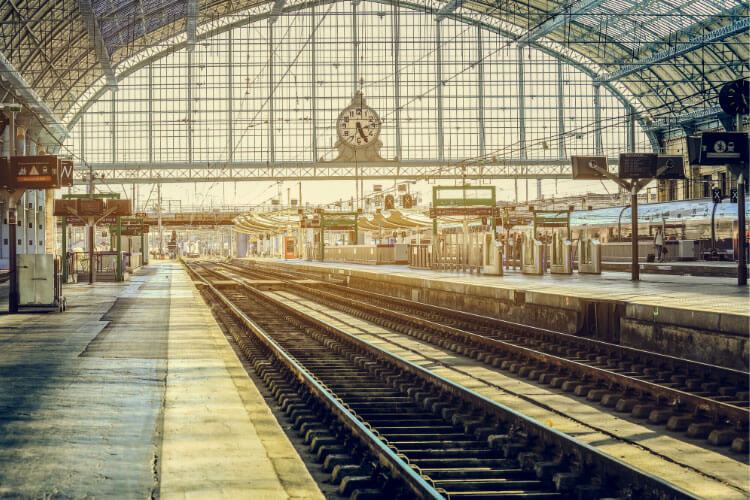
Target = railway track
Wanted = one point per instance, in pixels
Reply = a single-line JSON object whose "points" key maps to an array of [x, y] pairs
{"points": [[703, 401], [387, 428]]}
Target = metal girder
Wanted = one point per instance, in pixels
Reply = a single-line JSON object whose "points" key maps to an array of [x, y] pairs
{"points": [[95, 37], [676, 121], [447, 9], [278, 6], [21, 90], [191, 22], [678, 50], [131, 172], [559, 20]]}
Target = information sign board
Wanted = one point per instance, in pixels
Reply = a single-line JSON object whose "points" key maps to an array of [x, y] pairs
{"points": [[637, 165], [669, 167], [583, 166], [724, 148], [468, 211], [34, 172], [119, 207], [89, 207]]}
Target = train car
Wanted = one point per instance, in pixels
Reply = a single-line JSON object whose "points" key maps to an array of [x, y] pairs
{"points": [[711, 227]]}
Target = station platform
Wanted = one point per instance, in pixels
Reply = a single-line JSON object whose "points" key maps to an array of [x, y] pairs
{"points": [[705, 319], [134, 392]]}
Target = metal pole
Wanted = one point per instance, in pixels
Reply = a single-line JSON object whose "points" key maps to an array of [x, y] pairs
{"points": [[158, 215], [741, 238], [92, 244], [92, 264], [634, 270], [65, 249], [118, 268], [13, 298]]}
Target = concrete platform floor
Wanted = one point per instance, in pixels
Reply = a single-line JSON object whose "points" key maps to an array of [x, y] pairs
{"points": [[135, 393]]}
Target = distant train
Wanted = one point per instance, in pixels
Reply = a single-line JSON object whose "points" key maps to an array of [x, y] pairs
{"points": [[711, 226]]}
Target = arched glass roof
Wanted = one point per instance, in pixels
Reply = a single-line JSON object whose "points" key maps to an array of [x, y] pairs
{"points": [[62, 47]]}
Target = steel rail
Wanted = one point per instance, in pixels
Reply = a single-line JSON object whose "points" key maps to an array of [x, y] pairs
{"points": [[387, 457], [609, 466], [737, 415]]}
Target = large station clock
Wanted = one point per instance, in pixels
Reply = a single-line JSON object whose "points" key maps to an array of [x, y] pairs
{"points": [[358, 125], [733, 97]]}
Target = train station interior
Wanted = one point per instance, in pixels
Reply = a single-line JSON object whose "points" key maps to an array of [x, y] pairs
{"points": [[361, 249]]}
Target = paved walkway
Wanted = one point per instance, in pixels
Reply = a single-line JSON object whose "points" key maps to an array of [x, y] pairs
{"points": [[134, 392]]}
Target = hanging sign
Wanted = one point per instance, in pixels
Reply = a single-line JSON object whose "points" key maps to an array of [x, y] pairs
{"points": [[669, 167], [34, 172], [723, 148], [637, 165], [583, 167]]}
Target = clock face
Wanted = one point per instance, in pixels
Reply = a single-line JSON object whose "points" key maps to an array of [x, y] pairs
{"points": [[733, 97], [358, 126]]}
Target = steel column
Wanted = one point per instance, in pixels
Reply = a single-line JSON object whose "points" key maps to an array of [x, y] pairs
{"points": [[396, 36], [313, 84], [480, 93], [189, 107], [230, 98], [597, 119], [355, 46], [113, 121], [439, 78], [522, 115], [560, 110], [271, 145], [150, 113]]}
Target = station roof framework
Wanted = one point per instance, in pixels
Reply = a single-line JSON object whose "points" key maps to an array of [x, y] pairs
{"points": [[668, 57]]}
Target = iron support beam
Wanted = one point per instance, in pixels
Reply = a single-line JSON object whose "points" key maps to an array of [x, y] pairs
{"points": [[134, 172], [97, 42], [313, 84], [396, 36], [521, 121], [271, 123], [230, 98], [559, 20], [113, 121], [26, 95], [597, 118], [448, 9], [480, 93], [355, 47], [189, 106], [712, 112], [191, 23], [560, 111], [680, 49], [150, 113], [278, 6], [439, 83]]}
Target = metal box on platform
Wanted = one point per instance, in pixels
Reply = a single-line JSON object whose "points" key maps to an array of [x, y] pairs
{"points": [[39, 282]]}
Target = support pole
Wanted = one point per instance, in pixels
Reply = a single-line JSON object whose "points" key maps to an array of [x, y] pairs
{"points": [[119, 249], [741, 238], [13, 298], [92, 263], [64, 249], [634, 270]]}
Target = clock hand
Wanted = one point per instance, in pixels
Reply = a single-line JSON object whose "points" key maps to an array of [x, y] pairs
{"points": [[361, 132]]}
